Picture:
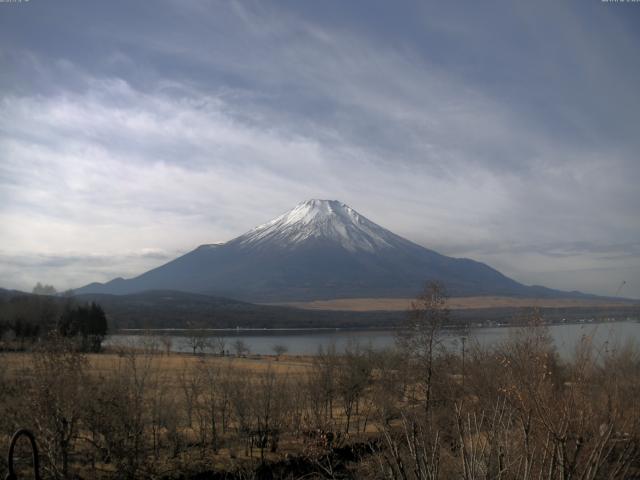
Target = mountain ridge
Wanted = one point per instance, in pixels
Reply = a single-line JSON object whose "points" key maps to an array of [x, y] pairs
{"points": [[320, 249]]}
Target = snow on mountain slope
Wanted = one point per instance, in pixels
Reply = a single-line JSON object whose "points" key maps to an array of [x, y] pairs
{"points": [[326, 220], [321, 249]]}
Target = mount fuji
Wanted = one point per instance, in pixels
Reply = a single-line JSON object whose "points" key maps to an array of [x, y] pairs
{"points": [[321, 249]]}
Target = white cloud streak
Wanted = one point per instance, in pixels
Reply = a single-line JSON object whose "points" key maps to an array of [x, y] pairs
{"points": [[118, 162]]}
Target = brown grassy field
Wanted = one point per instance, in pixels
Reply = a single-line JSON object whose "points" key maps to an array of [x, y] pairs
{"points": [[455, 303], [147, 414], [168, 379], [173, 364]]}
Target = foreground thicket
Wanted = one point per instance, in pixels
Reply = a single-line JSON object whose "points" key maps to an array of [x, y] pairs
{"points": [[419, 412]]}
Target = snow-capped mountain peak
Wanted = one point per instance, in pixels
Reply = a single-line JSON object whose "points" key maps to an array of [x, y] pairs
{"points": [[321, 249], [327, 220]]}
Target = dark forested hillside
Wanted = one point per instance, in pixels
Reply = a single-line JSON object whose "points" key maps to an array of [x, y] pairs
{"points": [[170, 309], [37, 314]]}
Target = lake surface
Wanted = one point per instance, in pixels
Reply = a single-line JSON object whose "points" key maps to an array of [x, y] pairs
{"points": [[308, 342]]}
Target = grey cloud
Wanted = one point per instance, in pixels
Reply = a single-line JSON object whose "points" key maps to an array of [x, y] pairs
{"points": [[207, 119], [560, 250], [91, 261], [66, 271]]}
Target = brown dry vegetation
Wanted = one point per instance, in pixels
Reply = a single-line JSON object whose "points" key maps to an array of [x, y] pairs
{"points": [[458, 303], [418, 412]]}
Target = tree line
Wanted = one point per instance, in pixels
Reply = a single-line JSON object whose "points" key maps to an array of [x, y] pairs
{"points": [[28, 319]]}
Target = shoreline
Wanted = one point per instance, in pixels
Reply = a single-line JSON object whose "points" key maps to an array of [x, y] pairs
{"points": [[304, 331]]}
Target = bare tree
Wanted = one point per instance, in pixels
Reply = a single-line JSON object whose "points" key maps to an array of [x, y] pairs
{"points": [[167, 343], [210, 401], [59, 379], [217, 343], [238, 387], [280, 350], [411, 452], [197, 342], [321, 387], [353, 377], [268, 408], [420, 336], [137, 372], [191, 386], [161, 406], [241, 348], [387, 390]]}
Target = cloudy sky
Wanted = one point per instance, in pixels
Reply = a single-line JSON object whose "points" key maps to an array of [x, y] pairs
{"points": [[133, 131]]}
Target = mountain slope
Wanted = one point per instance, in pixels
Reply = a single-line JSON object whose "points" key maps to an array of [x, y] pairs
{"points": [[321, 249]]}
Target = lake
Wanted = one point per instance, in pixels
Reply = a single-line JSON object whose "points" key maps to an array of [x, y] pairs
{"points": [[307, 342]]}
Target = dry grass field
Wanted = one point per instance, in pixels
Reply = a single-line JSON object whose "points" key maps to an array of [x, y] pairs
{"points": [[169, 393], [172, 364], [514, 412], [455, 303]]}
